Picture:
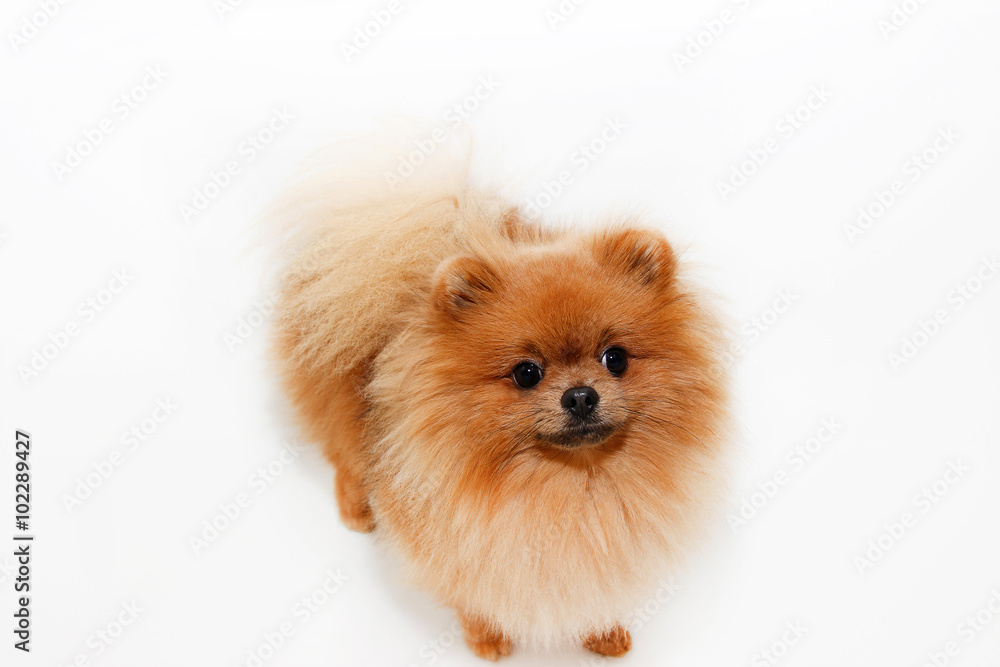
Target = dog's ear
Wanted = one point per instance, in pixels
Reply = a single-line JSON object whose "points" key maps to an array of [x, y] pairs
{"points": [[461, 283], [641, 254]]}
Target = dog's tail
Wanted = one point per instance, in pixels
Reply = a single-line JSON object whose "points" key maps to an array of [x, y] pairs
{"points": [[361, 244]]}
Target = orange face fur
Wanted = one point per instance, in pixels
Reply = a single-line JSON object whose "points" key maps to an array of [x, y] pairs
{"points": [[560, 309]]}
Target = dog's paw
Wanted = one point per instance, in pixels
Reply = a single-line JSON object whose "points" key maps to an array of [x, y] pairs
{"points": [[352, 500], [358, 519], [490, 649], [484, 641], [613, 643]]}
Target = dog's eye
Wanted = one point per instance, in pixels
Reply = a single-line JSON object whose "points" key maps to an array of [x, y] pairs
{"points": [[527, 374], [615, 359]]}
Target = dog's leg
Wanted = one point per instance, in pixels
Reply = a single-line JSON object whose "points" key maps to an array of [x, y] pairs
{"points": [[352, 500], [332, 413], [344, 446]]}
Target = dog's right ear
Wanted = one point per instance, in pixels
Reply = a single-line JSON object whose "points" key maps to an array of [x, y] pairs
{"points": [[461, 283]]}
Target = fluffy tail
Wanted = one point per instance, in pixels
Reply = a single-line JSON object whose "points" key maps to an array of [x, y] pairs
{"points": [[361, 248]]}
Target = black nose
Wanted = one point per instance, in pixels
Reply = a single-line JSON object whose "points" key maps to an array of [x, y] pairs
{"points": [[580, 401]]}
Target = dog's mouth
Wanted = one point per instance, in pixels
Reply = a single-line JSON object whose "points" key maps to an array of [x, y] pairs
{"points": [[584, 434]]}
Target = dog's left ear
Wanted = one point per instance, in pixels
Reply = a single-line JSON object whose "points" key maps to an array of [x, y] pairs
{"points": [[642, 254], [463, 282]]}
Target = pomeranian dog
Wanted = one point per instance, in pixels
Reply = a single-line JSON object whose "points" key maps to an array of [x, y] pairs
{"points": [[533, 419]]}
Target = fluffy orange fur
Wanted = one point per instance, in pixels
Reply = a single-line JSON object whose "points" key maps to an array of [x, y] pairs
{"points": [[402, 318]]}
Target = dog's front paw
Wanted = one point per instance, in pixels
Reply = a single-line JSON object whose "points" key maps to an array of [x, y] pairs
{"points": [[613, 643], [490, 649], [484, 641]]}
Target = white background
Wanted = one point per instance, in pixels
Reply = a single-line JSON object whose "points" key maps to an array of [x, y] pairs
{"points": [[854, 298]]}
